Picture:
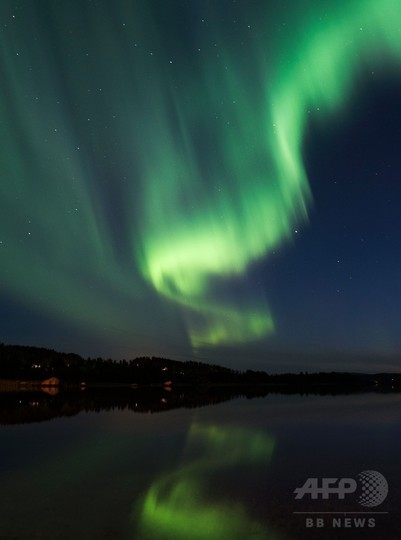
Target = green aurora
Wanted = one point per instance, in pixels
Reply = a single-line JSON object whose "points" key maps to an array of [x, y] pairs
{"points": [[259, 163], [133, 172], [179, 504]]}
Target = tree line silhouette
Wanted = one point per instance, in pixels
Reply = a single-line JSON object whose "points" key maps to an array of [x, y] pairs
{"points": [[24, 363]]}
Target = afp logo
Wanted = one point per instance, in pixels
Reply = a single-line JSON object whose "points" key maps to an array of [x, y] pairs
{"points": [[373, 488]]}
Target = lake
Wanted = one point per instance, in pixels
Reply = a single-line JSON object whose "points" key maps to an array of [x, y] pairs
{"points": [[89, 466]]}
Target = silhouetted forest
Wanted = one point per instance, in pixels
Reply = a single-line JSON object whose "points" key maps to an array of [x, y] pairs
{"points": [[37, 364]]}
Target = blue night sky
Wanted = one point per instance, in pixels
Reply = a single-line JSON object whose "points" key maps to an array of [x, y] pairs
{"points": [[196, 179]]}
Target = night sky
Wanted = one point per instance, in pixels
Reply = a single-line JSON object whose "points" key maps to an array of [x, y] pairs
{"points": [[203, 179]]}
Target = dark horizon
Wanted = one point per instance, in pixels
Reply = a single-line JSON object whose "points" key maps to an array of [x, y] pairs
{"points": [[257, 358], [11, 352]]}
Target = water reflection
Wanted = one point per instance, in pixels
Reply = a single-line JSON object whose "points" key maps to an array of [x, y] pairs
{"points": [[219, 472], [49, 402], [179, 506], [28, 406]]}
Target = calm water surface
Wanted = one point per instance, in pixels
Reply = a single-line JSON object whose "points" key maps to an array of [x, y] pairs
{"points": [[225, 471]]}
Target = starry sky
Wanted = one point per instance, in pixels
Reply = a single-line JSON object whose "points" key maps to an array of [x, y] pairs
{"points": [[203, 179]]}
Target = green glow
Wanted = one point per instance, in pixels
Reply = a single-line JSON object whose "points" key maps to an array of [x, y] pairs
{"points": [[176, 506], [258, 162], [140, 165]]}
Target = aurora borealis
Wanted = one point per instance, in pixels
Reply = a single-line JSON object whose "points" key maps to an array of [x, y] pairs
{"points": [[161, 162], [174, 506]]}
